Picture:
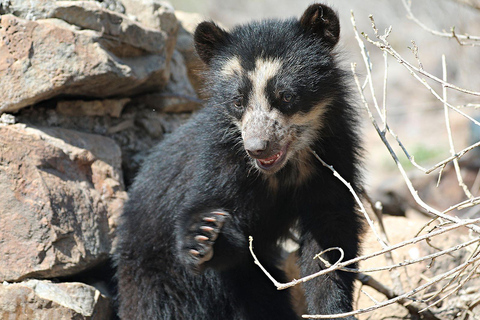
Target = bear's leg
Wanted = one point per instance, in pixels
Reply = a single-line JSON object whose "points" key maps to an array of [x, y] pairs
{"points": [[257, 294], [140, 296], [333, 292]]}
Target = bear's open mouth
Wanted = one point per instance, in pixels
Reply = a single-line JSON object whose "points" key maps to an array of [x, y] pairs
{"points": [[274, 162]]}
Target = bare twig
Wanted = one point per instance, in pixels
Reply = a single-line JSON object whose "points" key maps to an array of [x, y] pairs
{"points": [[462, 39], [449, 132], [391, 294], [385, 46]]}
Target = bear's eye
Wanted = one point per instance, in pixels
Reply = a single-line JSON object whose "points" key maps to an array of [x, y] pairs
{"points": [[287, 97], [238, 101]]}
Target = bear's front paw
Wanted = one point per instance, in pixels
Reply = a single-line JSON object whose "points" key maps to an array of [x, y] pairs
{"points": [[200, 238]]}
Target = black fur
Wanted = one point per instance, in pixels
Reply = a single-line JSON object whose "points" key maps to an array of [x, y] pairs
{"points": [[172, 222]]}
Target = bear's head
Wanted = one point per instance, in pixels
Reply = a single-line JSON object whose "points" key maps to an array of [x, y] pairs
{"points": [[276, 80]]}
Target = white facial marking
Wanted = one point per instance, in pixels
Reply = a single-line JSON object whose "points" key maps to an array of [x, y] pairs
{"points": [[264, 71], [232, 67], [259, 115]]}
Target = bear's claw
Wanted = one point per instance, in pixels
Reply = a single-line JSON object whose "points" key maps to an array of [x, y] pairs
{"points": [[200, 238]]}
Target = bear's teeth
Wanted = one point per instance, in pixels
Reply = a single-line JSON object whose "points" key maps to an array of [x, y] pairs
{"points": [[270, 160]]}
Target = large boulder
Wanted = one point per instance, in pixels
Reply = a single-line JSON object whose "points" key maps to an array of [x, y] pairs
{"points": [[44, 300], [62, 191], [81, 50]]}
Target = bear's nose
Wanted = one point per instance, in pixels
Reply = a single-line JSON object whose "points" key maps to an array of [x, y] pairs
{"points": [[256, 147]]}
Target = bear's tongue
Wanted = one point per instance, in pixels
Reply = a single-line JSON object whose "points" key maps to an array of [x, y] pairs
{"points": [[270, 161]]}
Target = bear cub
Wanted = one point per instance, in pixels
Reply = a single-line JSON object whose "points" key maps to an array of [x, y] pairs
{"points": [[245, 166]]}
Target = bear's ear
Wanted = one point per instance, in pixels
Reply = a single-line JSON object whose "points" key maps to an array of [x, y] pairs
{"points": [[323, 22], [208, 37]]}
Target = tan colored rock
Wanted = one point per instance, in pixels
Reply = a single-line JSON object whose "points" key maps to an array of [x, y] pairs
{"points": [[44, 300], [77, 108], [153, 14], [46, 58], [62, 191]]}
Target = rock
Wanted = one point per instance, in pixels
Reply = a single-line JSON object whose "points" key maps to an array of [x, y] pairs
{"points": [[182, 97], [62, 192], [41, 9], [6, 119], [105, 54], [185, 45], [32, 9], [178, 95], [113, 5], [44, 300], [78, 108], [153, 14], [119, 34]]}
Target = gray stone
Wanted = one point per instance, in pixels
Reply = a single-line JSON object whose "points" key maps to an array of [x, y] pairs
{"points": [[32, 9], [121, 35], [44, 300]]}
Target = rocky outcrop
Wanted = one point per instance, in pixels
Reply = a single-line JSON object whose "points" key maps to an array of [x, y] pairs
{"points": [[82, 50], [87, 88]]}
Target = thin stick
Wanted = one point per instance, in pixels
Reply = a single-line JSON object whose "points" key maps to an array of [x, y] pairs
{"points": [[449, 132], [356, 197], [385, 46], [367, 63]]}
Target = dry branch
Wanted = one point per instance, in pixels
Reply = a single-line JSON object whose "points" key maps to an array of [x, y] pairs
{"points": [[460, 275]]}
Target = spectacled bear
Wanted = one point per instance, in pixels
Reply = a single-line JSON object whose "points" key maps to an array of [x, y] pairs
{"points": [[243, 166]]}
